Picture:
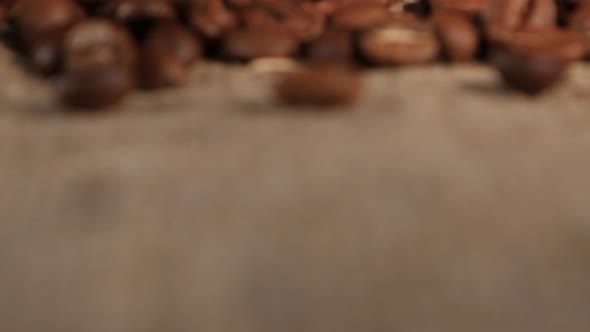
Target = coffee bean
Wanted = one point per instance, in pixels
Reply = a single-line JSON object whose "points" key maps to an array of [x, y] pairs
{"points": [[95, 87], [211, 18], [469, 7], [166, 56], [258, 42], [35, 20], [336, 45], [98, 42], [457, 34], [361, 15], [529, 72], [504, 17], [319, 86], [100, 50], [563, 44], [400, 43]]}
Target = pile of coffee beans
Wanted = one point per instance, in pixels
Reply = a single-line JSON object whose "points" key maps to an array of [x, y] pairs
{"points": [[97, 51]]}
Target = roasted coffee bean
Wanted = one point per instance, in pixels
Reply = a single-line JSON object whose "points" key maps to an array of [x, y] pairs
{"points": [[166, 56], [580, 20], [211, 18], [400, 43], [529, 72], [300, 21], [100, 50], [175, 40], [336, 45], [98, 42], [45, 55], [457, 34], [95, 86], [3, 14], [99, 64], [319, 86], [160, 70], [361, 15], [142, 15], [253, 43], [35, 20], [470, 7], [504, 17], [566, 45]]}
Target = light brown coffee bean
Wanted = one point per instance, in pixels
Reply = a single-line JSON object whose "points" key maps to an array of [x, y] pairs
{"points": [[400, 44]]}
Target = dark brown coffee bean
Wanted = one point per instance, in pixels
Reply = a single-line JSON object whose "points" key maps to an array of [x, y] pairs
{"points": [[98, 42], [99, 64], [580, 20], [529, 72], [319, 86], [142, 15], [400, 44], [45, 56], [160, 70], [471, 7], [335, 45], [95, 87], [211, 18], [166, 56], [299, 20], [516, 14], [457, 34], [566, 45], [156, 41], [40, 28], [258, 42], [35, 20], [176, 40], [3, 15], [504, 17], [360, 15]]}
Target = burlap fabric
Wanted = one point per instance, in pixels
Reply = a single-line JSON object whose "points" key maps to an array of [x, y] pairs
{"points": [[440, 202]]}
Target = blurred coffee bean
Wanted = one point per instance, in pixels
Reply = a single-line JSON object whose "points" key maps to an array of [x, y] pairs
{"points": [[95, 87], [252, 43], [98, 42], [470, 7], [211, 18], [566, 45], [335, 45], [166, 56], [360, 15], [457, 34], [504, 17], [102, 49], [35, 20], [400, 43], [529, 72], [142, 15], [319, 86]]}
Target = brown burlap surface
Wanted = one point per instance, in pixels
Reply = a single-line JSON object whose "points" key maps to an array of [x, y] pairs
{"points": [[440, 202]]}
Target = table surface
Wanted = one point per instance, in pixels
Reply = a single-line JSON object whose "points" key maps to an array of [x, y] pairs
{"points": [[440, 202]]}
